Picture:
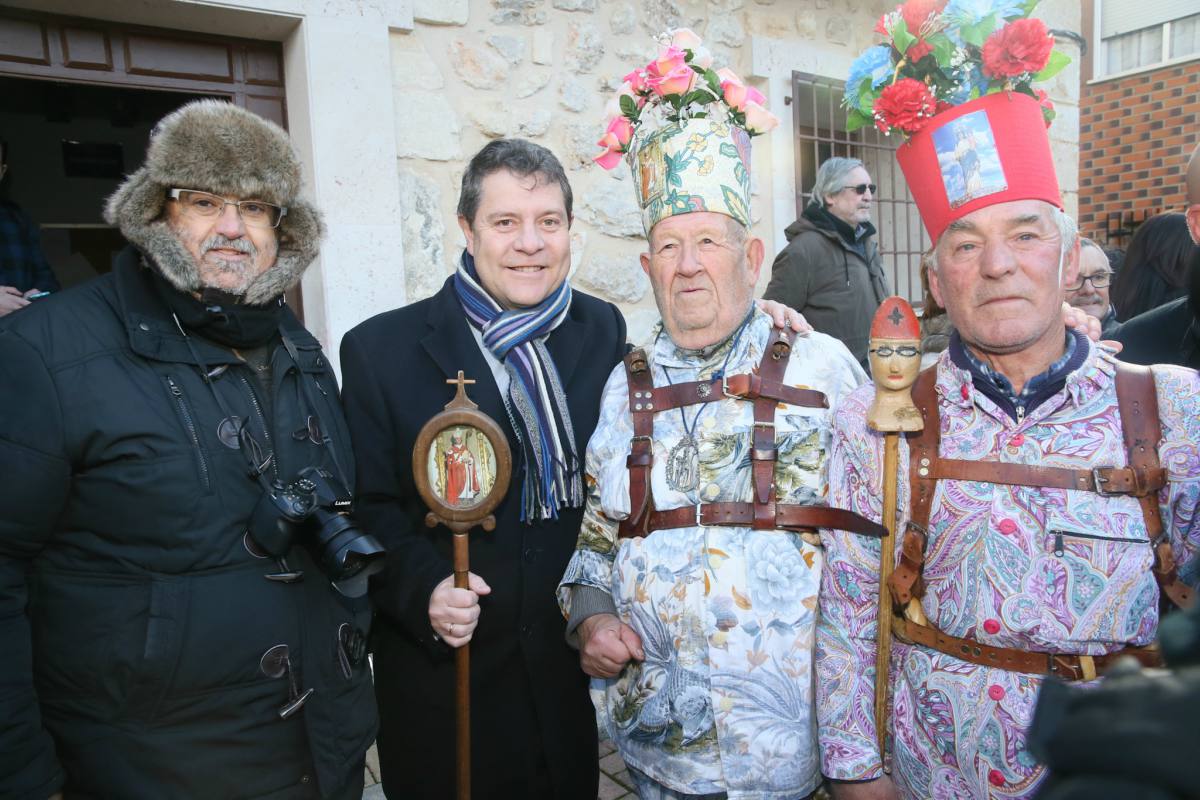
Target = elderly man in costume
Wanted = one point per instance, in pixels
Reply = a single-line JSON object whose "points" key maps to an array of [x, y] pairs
{"points": [[693, 589], [1044, 503], [151, 646]]}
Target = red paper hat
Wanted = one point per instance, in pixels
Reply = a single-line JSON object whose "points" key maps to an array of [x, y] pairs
{"points": [[895, 320], [994, 149]]}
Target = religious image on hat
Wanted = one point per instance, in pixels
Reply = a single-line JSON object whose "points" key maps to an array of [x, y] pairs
{"points": [[685, 131], [956, 80]]}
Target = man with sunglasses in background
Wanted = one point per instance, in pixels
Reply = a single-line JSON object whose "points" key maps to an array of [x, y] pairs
{"points": [[830, 269], [1089, 292], [165, 633]]}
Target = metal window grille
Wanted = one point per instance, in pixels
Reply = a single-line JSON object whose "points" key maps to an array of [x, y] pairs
{"points": [[820, 129]]}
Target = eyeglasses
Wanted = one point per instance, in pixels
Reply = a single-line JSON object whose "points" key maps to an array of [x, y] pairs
{"points": [[255, 213], [862, 188], [1099, 281], [887, 351]]}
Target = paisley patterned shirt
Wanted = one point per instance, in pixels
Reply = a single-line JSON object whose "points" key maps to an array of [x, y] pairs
{"points": [[723, 700], [1012, 566]]}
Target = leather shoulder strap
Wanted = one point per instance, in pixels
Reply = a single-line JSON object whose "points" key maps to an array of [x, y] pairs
{"points": [[1137, 401], [906, 582], [763, 453], [641, 448]]}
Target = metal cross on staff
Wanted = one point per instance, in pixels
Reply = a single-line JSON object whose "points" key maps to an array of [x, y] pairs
{"points": [[464, 418]]}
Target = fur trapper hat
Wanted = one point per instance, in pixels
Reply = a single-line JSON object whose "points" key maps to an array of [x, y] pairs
{"points": [[217, 147]]}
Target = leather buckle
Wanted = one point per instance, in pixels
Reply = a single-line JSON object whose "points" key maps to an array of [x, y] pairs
{"points": [[1099, 481]]}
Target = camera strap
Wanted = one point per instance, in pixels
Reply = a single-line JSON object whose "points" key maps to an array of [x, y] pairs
{"points": [[312, 408]]}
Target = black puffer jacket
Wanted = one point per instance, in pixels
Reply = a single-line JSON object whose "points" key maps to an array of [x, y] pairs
{"points": [[132, 616], [836, 287]]}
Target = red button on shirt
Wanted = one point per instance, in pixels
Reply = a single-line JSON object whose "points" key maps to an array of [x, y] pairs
{"points": [[991, 626], [1008, 527], [1017, 440], [996, 777], [996, 692], [966, 392]]}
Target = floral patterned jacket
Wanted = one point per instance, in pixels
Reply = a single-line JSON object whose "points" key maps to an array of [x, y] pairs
{"points": [[724, 699], [1012, 566]]}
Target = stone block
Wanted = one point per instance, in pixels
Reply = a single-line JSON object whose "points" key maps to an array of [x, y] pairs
{"points": [[543, 47], [480, 68], [610, 208], [411, 64], [494, 120], [620, 280], [510, 48], [579, 145], [585, 46], [837, 29], [519, 12], [574, 5], [574, 96], [534, 124], [726, 29], [422, 230], [623, 20], [638, 324], [531, 83], [426, 126], [441, 12]]}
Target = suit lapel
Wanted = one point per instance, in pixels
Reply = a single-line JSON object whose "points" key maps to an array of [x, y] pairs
{"points": [[566, 347], [451, 345]]}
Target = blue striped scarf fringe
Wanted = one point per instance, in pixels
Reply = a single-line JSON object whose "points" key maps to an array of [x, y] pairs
{"points": [[536, 403]]}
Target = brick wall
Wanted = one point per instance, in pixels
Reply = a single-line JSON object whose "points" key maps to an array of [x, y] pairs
{"points": [[1135, 136]]}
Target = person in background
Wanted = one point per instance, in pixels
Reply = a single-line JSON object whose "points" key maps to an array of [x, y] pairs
{"points": [[24, 273], [1155, 268], [830, 270], [1089, 292]]}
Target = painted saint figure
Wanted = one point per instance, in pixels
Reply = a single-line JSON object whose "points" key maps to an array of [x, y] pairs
{"points": [[895, 357], [462, 479]]}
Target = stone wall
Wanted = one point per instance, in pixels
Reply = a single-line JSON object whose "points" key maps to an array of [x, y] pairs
{"points": [[474, 70]]}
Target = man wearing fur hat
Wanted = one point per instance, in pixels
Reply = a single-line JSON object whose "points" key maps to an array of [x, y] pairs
{"points": [[161, 637], [693, 588], [1049, 503]]}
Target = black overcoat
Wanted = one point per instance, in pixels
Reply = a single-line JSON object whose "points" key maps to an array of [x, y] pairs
{"points": [[133, 618], [533, 726]]}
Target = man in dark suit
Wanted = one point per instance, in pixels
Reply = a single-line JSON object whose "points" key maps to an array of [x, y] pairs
{"points": [[533, 727]]}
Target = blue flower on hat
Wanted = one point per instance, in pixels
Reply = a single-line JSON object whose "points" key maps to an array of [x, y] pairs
{"points": [[875, 62], [964, 13], [971, 78]]}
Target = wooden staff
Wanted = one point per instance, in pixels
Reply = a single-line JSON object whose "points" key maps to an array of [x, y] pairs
{"points": [[895, 358], [460, 517], [462, 668]]}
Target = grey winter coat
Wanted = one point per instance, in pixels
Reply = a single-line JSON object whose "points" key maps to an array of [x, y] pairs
{"points": [[828, 281]]}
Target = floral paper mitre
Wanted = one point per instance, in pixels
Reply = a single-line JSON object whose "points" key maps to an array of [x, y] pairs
{"points": [[956, 80], [697, 165]]}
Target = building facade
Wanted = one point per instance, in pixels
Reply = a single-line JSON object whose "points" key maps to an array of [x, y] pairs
{"points": [[387, 99]]}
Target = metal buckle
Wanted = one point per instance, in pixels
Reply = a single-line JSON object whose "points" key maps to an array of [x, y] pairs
{"points": [[725, 388], [1099, 482], [700, 524], [921, 529], [758, 424]]}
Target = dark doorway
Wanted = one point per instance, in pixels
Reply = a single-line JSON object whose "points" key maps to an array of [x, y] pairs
{"points": [[69, 146]]}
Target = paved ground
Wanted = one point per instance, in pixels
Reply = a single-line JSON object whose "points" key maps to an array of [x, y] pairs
{"points": [[614, 780]]}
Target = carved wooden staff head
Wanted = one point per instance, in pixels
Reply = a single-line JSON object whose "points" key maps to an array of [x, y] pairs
{"points": [[895, 356]]}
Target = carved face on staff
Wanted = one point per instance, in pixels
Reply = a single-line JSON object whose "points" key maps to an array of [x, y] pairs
{"points": [[895, 356]]}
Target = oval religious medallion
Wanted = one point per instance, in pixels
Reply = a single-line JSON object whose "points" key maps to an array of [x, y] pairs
{"points": [[683, 465]]}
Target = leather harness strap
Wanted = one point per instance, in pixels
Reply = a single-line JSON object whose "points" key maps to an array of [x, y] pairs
{"points": [[782, 516], [1063, 665], [765, 388], [1143, 478]]}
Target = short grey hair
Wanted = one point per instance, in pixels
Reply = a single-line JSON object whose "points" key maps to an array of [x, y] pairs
{"points": [[831, 177], [520, 157]]}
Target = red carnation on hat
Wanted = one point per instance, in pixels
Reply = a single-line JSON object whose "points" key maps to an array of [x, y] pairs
{"points": [[1022, 45], [907, 104], [917, 12]]}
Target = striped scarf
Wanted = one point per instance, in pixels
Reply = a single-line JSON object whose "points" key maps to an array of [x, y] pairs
{"points": [[536, 403]]}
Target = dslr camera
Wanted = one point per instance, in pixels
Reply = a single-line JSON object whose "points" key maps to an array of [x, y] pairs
{"points": [[315, 509]]}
